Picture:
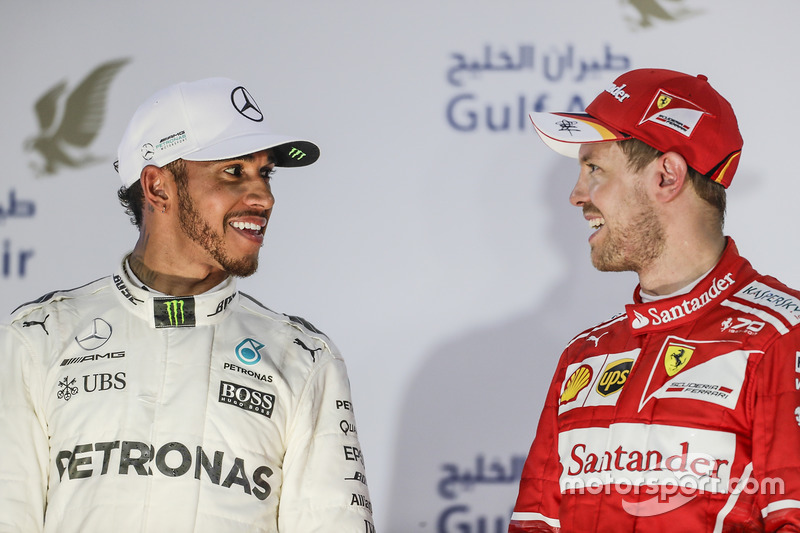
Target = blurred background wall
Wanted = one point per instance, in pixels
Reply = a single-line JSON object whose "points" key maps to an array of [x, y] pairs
{"points": [[433, 240]]}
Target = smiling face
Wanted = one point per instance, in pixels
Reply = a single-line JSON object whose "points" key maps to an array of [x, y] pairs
{"points": [[629, 235], [224, 207]]}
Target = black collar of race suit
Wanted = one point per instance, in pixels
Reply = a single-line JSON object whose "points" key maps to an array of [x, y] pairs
{"points": [[164, 311]]}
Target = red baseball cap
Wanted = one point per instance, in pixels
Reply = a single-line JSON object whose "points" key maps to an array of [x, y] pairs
{"points": [[668, 110]]}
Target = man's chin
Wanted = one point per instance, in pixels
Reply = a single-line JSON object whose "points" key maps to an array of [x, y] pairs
{"points": [[606, 264], [241, 268]]}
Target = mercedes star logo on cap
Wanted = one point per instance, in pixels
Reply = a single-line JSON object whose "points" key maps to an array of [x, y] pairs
{"points": [[245, 104], [148, 151]]}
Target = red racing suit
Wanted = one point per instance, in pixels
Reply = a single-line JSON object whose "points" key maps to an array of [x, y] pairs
{"points": [[681, 414]]}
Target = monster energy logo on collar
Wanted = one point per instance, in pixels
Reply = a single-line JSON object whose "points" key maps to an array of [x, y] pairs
{"points": [[174, 312]]}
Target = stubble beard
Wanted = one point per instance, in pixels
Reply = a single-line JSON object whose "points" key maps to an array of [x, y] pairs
{"points": [[635, 245], [200, 232]]}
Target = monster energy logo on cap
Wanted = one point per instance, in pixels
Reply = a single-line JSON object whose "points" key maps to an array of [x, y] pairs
{"points": [[295, 153], [174, 312]]}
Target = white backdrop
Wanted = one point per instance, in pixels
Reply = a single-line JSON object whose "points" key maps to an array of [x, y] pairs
{"points": [[433, 240]]}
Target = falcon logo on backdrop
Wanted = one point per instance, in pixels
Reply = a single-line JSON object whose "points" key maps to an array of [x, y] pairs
{"points": [[69, 123], [652, 12]]}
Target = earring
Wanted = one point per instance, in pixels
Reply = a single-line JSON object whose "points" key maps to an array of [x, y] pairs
{"points": [[164, 209]]}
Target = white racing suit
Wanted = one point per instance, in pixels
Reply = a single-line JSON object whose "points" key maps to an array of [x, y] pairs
{"points": [[127, 411]]}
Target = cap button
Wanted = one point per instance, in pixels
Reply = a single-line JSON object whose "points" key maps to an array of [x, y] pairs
{"points": [[702, 77]]}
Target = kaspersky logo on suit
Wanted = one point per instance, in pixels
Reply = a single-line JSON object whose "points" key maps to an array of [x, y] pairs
{"points": [[174, 312]]}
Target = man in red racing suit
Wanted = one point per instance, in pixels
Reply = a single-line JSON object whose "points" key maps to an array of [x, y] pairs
{"points": [[684, 411], [678, 412]]}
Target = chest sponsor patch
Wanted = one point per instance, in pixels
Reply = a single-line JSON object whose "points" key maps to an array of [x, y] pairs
{"points": [[709, 371], [576, 382], [246, 398], [596, 380], [614, 377], [676, 357], [785, 304], [645, 454], [717, 381]]}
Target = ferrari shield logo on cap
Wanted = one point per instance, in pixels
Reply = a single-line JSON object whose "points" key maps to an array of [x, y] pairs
{"points": [[674, 113]]}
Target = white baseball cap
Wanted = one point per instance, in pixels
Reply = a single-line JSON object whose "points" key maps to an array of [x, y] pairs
{"points": [[205, 120]]}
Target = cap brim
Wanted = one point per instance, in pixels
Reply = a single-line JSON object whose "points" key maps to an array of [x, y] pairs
{"points": [[290, 152], [566, 132]]}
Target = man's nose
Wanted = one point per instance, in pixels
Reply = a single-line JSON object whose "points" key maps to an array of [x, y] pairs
{"points": [[579, 194]]}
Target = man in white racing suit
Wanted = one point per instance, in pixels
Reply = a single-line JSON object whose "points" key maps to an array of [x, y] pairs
{"points": [[161, 398]]}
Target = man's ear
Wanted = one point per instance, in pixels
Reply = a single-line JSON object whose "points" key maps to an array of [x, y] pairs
{"points": [[157, 186], [672, 173]]}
